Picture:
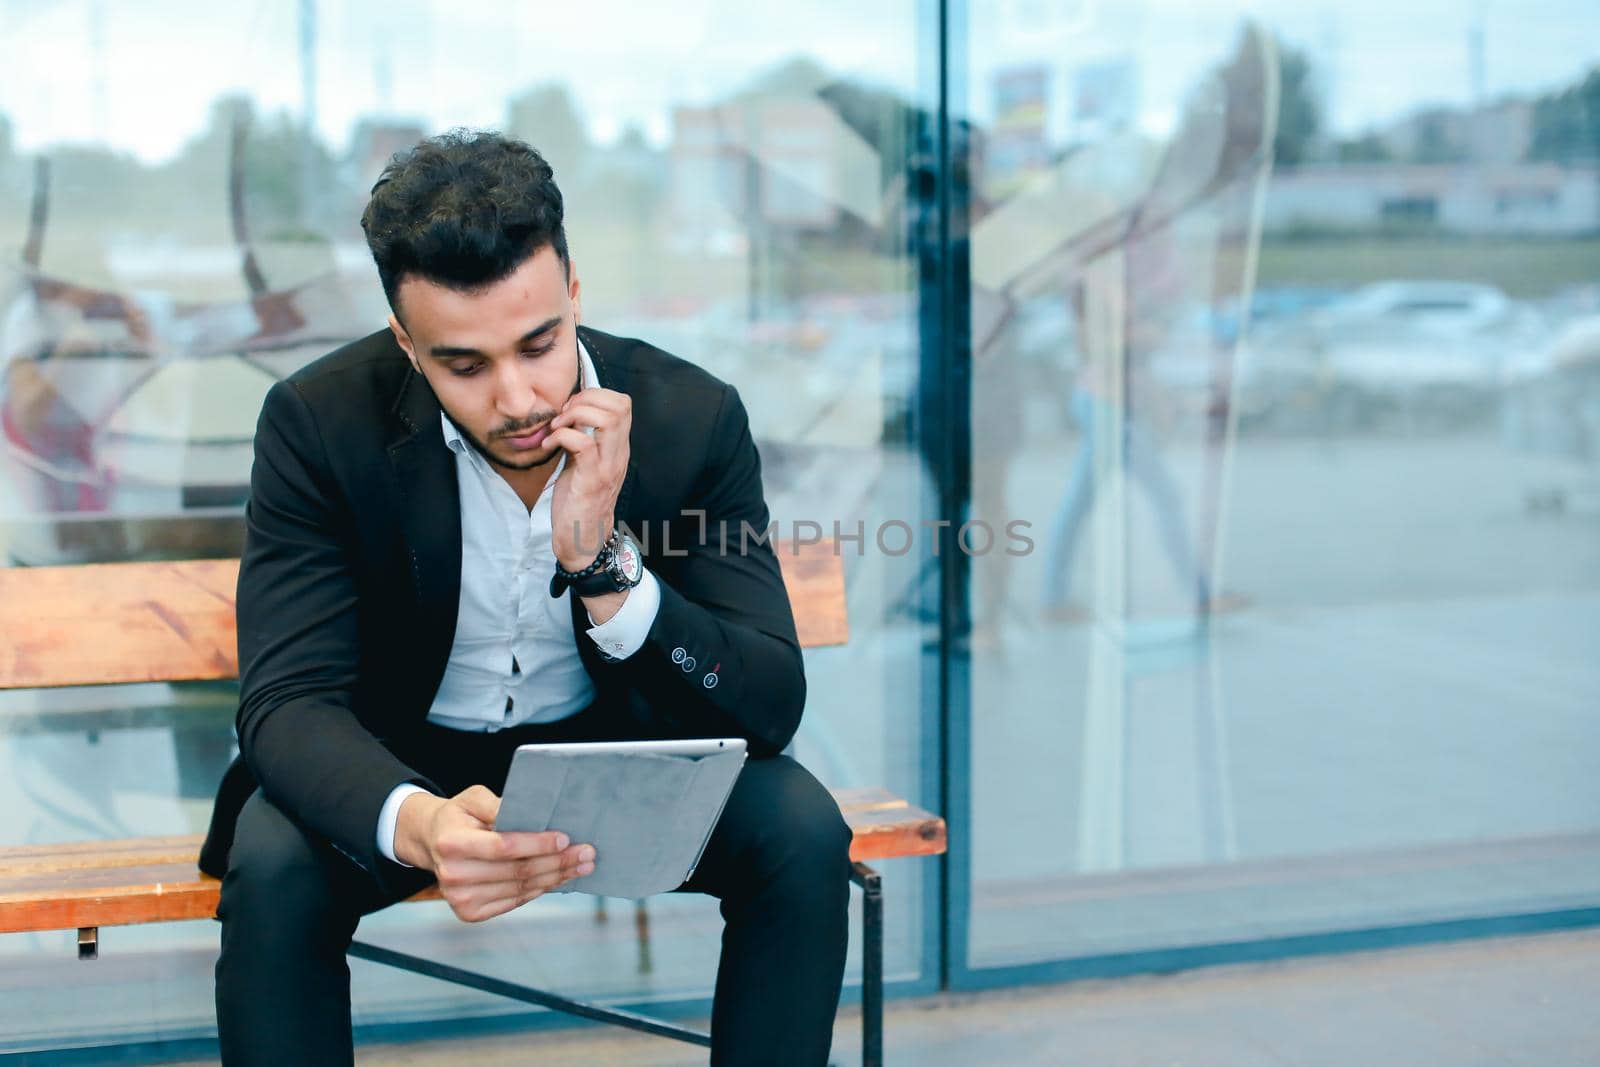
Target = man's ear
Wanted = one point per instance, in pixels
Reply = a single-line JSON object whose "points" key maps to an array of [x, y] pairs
{"points": [[403, 339], [574, 291]]}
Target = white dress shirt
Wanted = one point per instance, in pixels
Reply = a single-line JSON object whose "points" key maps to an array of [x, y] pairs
{"points": [[514, 659]]}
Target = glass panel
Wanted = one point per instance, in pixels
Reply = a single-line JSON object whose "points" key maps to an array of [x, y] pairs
{"points": [[179, 228], [1304, 640]]}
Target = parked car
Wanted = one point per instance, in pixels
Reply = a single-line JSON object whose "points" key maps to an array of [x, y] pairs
{"points": [[1436, 348], [1418, 351]]}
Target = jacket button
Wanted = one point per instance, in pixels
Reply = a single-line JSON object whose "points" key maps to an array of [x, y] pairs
{"points": [[678, 654]]}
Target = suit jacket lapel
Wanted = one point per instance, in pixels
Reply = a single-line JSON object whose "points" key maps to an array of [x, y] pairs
{"points": [[430, 517]]}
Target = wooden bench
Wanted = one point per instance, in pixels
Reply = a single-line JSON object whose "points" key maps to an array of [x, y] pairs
{"points": [[174, 622]]}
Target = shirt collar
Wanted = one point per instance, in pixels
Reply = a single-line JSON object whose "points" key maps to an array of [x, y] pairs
{"points": [[588, 379]]}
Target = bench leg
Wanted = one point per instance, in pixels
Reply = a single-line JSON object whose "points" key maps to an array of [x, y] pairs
{"points": [[641, 929], [871, 883], [88, 942]]}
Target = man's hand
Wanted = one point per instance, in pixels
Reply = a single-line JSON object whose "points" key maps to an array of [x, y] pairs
{"points": [[583, 507], [482, 872]]}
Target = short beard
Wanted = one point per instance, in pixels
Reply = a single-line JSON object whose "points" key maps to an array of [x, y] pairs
{"points": [[483, 449]]}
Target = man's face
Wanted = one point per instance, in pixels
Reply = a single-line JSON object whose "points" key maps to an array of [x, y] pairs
{"points": [[501, 360]]}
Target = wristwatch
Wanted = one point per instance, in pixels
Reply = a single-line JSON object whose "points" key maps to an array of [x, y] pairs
{"points": [[619, 566]]}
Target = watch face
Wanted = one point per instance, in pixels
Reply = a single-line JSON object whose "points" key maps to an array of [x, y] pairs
{"points": [[629, 563]]}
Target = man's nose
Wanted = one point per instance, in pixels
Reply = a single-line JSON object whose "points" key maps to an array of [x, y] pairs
{"points": [[514, 395]]}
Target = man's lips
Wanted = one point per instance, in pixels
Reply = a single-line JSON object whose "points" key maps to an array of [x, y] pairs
{"points": [[531, 439]]}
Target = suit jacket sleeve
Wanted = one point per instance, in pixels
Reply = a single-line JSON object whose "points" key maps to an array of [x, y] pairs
{"points": [[722, 658], [299, 643]]}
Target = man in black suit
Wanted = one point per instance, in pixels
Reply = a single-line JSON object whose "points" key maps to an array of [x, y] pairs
{"points": [[413, 496]]}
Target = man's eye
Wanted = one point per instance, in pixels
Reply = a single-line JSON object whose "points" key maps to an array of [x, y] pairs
{"points": [[467, 371], [538, 351]]}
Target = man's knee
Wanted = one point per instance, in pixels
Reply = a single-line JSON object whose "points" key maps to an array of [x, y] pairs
{"points": [[809, 841], [277, 873]]}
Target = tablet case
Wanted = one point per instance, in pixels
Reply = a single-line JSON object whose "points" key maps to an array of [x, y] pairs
{"points": [[648, 816]]}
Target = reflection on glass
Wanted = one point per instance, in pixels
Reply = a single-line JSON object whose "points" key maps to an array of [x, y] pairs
{"points": [[169, 248], [1306, 642]]}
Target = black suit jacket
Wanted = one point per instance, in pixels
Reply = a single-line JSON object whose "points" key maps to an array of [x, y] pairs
{"points": [[351, 571]]}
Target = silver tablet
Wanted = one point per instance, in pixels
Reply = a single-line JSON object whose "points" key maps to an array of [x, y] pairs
{"points": [[647, 807], [693, 747]]}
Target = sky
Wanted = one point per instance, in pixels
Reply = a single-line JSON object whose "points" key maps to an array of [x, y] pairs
{"points": [[142, 76]]}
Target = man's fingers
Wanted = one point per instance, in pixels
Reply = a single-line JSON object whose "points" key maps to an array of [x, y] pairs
{"points": [[611, 430], [475, 903], [523, 845], [609, 399], [581, 415], [475, 911], [468, 871], [574, 442], [472, 843], [479, 802]]}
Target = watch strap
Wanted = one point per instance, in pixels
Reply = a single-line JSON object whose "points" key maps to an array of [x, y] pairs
{"points": [[581, 581], [600, 577]]}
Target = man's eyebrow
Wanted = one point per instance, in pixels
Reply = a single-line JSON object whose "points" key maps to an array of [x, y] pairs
{"points": [[455, 351]]}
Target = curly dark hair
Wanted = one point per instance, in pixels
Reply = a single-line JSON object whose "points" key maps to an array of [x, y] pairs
{"points": [[463, 209]]}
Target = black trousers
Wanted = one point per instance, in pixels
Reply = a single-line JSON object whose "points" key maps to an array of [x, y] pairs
{"points": [[778, 861]]}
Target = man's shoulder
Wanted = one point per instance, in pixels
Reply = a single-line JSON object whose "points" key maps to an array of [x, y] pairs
{"points": [[372, 362], [651, 374], [684, 417]]}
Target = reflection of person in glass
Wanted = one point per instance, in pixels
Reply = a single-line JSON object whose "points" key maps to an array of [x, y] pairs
{"points": [[1097, 411], [428, 582]]}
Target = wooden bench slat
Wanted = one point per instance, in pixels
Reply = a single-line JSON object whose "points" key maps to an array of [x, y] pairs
{"points": [[154, 879], [28, 885], [116, 623], [813, 574], [98, 855], [129, 846], [119, 906]]}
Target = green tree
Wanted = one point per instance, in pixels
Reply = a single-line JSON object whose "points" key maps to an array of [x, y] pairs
{"points": [[1299, 114], [1566, 125], [1368, 148], [275, 148]]}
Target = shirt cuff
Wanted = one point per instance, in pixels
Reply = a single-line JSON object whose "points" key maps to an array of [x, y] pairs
{"points": [[624, 633], [389, 818]]}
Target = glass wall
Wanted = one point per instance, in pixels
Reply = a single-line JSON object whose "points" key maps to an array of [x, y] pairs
{"points": [[1251, 351], [1286, 345], [179, 201]]}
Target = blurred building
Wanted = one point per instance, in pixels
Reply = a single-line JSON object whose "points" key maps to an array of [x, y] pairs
{"points": [[1520, 198], [783, 161], [1495, 133]]}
